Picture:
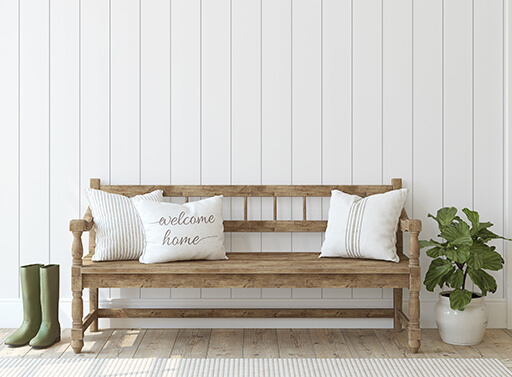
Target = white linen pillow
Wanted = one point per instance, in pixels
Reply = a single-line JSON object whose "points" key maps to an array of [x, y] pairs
{"points": [[119, 232], [363, 227], [187, 231]]}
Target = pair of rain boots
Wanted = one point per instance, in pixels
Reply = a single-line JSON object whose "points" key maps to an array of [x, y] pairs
{"points": [[40, 295]]}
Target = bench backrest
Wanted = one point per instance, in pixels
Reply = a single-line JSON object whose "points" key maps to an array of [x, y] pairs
{"points": [[259, 191]]}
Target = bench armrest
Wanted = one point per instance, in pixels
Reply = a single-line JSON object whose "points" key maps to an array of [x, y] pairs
{"points": [[82, 225], [79, 226], [414, 228], [409, 225]]}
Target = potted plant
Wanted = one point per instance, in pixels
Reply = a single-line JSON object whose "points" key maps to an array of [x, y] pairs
{"points": [[461, 315]]}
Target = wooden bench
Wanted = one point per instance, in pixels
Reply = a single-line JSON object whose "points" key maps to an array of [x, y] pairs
{"points": [[249, 270]]}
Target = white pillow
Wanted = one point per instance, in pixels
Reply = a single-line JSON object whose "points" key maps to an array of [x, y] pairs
{"points": [[187, 231], [119, 232], [363, 227]]}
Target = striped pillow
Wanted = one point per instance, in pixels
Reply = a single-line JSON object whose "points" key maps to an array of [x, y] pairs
{"points": [[119, 230], [363, 227]]}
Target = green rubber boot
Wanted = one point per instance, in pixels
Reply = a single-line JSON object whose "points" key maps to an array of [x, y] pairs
{"points": [[49, 332], [29, 276]]}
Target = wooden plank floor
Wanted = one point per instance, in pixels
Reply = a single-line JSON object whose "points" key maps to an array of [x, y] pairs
{"points": [[265, 343]]}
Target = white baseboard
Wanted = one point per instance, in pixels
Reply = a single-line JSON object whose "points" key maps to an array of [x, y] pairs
{"points": [[12, 313]]}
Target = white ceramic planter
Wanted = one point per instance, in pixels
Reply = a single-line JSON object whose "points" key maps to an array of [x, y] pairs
{"points": [[465, 327]]}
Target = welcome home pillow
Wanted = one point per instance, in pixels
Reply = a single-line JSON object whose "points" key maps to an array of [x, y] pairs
{"points": [[119, 232], [187, 231], [363, 227]]}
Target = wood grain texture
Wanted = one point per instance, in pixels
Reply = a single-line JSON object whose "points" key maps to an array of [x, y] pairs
{"points": [[226, 343], [157, 343], [434, 347], [245, 313], [329, 343], [93, 345], [247, 190], [191, 343], [263, 343], [296, 270], [122, 344], [254, 263], [244, 281], [294, 343], [260, 343], [364, 344], [396, 343]]}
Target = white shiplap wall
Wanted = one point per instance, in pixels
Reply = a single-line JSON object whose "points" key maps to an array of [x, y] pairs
{"points": [[246, 92]]}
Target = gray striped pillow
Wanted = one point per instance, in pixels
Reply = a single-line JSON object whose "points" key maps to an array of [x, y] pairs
{"points": [[363, 227], [119, 229]]}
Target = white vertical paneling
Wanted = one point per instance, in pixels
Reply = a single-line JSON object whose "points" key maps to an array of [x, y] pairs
{"points": [[34, 131], [337, 103], [185, 101], [397, 96], [246, 120], [337, 92], [488, 154], [306, 120], [9, 146], [185, 92], [276, 119], [458, 104], [216, 105], [94, 98], [124, 100], [367, 92], [64, 133], [428, 118], [367, 101], [155, 101], [247, 92], [507, 128]]}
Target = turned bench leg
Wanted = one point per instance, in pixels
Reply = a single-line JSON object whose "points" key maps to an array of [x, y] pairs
{"points": [[414, 322], [93, 305], [77, 335], [77, 305], [414, 331], [397, 306]]}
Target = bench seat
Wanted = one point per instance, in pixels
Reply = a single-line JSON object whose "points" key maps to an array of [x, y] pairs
{"points": [[249, 270], [253, 263]]}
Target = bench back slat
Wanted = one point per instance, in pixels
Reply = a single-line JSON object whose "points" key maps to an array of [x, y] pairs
{"points": [[247, 190], [275, 226]]}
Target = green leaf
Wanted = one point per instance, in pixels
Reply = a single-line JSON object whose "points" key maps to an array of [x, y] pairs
{"points": [[457, 254], [436, 252], [487, 235], [483, 280], [424, 243], [473, 217], [456, 279], [475, 260], [459, 298], [445, 216], [438, 269], [457, 234], [492, 260]]}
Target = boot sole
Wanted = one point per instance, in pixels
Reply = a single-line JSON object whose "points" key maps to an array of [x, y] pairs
{"points": [[41, 347], [15, 345]]}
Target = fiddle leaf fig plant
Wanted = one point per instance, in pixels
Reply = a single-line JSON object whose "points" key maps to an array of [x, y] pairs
{"points": [[465, 251]]}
